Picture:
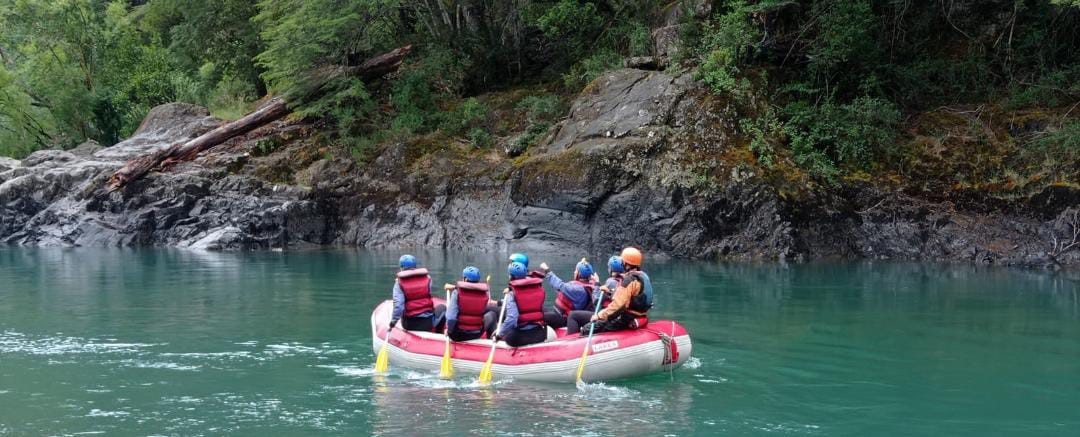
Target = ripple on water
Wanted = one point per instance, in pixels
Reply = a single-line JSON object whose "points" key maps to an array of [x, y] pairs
{"points": [[601, 390], [349, 370], [161, 365], [102, 413], [19, 343]]}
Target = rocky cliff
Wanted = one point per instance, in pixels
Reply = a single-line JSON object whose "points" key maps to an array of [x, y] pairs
{"points": [[643, 158]]}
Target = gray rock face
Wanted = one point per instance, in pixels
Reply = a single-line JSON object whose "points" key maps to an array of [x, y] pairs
{"points": [[56, 198], [628, 166], [620, 107]]}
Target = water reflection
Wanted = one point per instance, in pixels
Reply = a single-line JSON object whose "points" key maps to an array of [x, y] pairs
{"points": [[413, 404]]}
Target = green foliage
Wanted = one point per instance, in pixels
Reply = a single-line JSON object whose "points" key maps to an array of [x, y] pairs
{"points": [[844, 40], [720, 71], [727, 44], [348, 107], [24, 127], [591, 67], [831, 134], [422, 86], [594, 37], [87, 64], [541, 108], [573, 22], [764, 133], [1058, 152], [842, 70], [480, 138], [533, 134], [466, 116], [1055, 88], [216, 32], [267, 145], [231, 98], [300, 35]]}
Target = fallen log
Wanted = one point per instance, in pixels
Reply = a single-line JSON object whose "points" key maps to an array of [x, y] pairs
{"points": [[273, 109]]}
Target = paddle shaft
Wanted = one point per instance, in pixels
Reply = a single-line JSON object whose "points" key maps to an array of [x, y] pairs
{"points": [[485, 372], [498, 329], [588, 341]]}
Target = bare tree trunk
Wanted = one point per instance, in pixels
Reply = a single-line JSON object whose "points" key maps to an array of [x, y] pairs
{"points": [[274, 109]]}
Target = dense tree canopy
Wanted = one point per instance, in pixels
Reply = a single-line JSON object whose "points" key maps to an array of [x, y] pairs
{"points": [[827, 82]]}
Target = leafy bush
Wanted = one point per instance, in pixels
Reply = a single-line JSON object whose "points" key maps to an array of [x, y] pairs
{"points": [[480, 138], [232, 98], [348, 107], [831, 134], [533, 134], [435, 76], [720, 72], [1057, 152], [301, 35], [467, 115], [764, 133], [571, 22], [23, 127], [540, 108], [1055, 88], [591, 67], [727, 43]]}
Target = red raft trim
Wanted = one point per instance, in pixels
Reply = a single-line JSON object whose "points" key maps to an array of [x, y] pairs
{"points": [[566, 347]]}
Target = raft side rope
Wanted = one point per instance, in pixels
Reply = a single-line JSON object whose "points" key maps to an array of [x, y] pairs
{"points": [[671, 369]]}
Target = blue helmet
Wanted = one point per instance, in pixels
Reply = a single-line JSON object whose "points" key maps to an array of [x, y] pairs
{"points": [[520, 258], [471, 274], [615, 264], [517, 270], [584, 269], [407, 262]]}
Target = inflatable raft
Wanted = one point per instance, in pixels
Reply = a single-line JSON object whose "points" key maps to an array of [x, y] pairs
{"points": [[662, 345]]}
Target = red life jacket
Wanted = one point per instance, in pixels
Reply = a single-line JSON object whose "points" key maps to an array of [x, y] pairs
{"points": [[472, 300], [416, 284], [529, 296], [563, 302]]}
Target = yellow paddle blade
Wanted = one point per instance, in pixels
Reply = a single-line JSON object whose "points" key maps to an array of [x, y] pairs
{"points": [[382, 362], [485, 373], [581, 365], [446, 371]]}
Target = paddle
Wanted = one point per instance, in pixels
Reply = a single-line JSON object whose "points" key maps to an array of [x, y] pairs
{"points": [[485, 372], [382, 362], [585, 353], [446, 370]]}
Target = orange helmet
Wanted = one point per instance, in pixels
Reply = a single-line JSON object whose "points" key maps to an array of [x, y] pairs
{"points": [[632, 256]]}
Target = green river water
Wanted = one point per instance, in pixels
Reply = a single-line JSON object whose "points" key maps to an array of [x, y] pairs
{"points": [[168, 342]]}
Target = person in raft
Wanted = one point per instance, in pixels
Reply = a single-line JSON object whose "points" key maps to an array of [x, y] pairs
{"points": [[601, 296], [616, 269], [519, 257], [632, 300], [575, 295], [469, 315], [524, 303], [412, 298]]}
